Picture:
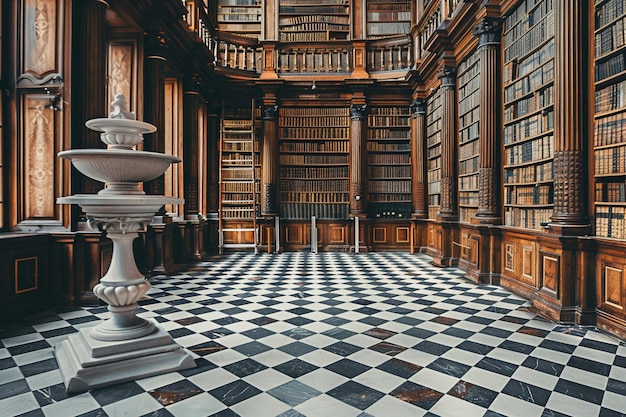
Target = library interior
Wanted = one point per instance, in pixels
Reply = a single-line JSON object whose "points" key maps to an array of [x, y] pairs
{"points": [[365, 208]]}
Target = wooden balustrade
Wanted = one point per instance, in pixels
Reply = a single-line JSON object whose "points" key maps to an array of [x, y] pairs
{"points": [[335, 57], [389, 54]]}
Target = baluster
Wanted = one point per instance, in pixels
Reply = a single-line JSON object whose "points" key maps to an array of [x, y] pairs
{"points": [[294, 64], [390, 65], [347, 54], [225, 48], [245, 58]]}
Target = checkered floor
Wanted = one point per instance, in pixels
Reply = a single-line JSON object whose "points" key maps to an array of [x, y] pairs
{"points": [[332, 334]]}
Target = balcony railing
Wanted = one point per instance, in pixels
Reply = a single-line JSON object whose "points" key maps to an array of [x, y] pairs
{"points": [[249, 56]]}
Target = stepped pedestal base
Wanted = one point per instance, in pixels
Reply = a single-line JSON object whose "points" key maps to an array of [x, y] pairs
{"points": [[87, 363]]}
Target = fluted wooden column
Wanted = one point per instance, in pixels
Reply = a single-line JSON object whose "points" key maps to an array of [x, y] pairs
{"points": [[270, 155], [358, 150], [213, 156], [89, 92], [191, 143], [449, 208], [488, 32], [418, 158], [154, 101], [570, 98]]}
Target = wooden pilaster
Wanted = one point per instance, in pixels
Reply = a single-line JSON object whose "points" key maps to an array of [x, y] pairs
{"points": [[269, 199], [488, 32], [358, 180], [449, 208], [418, 158], [191, 144]]}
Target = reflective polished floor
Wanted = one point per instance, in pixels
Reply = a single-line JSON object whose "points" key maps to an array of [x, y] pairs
{"points": [[331, 335]]}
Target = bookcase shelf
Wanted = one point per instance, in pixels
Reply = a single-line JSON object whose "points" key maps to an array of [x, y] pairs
{"points": [[433, 152], [309, 21], [529, 114], [610, 119], [314, 162], [389, 162], [240, 163], [468, 81], [388, 17], [243, 17]]}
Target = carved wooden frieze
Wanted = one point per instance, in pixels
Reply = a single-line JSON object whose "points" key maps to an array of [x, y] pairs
{"points": [[40, 36], [121, 71]]}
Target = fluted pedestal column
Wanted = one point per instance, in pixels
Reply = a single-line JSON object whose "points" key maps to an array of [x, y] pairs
{"points": [[269, 206], [358, 150], [418, 152], [449, 210]]}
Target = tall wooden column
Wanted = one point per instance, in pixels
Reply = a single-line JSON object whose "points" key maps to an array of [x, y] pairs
{"points": [[154, 100], [269, 206], [570, 114], [488, 32], [191, 145], [418, 158], [358, 149], [449, 207], [89, 92], [213, 156]]}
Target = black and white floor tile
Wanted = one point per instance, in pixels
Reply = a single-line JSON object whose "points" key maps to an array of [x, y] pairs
{"points": [[331, 335]]}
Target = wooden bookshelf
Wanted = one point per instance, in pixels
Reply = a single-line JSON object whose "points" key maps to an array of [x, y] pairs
{"points": [[468, 80], [240, 163], [388, 17], [610, 119], [529, 114], [314, 162], [433, 152], [310, 21], [243, 17], [389, 163]]}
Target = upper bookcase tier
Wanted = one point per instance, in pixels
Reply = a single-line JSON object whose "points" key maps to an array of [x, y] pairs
{"points": [[388, 17], [311, 21], [243, 17]]}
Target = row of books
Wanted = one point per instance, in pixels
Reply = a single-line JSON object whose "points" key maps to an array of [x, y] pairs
{"points": [[610, 221], [341, 146], [238, 214], [610, 130], [610, 192], [609, 11], [315, 121], [540, 100], [538, 195], [389, 134], [320, 112], [314, 197], [237, 187], [469, 133], [539, 124], [469, 102], [468, 198], [433, 163], [530, 174], [389, 171], [610, 161], [314, 27], [527, 218], [390, 15], [223, 3], [466, 214], [536, 79], [313, 159], [469, 182], [237, 198], [610, 38], [609, 98], [312, 8], [522, 43], [237, 174], [469, 117], [318, 172], [388, 147], [469, 149], [314, 18], [610, 67], [389, 186], [237, 145], [239, 17], [388, 121], [301, 211], [388, 28], [434, 181], [389, 159], [314, 133], [468, 68], [433, 128], [468, 166], [390, 111], [236, 123], [434, 152], [534, 150], [388, 198], [334, 185]]}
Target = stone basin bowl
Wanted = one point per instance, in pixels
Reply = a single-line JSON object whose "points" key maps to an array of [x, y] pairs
{"points": [[119, 166], [120, 133]]}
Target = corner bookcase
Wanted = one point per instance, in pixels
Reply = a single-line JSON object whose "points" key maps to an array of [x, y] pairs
{"points": [[311, 21], [314, 162], [243, 17], [433, 152], [610, 119], [389, 163], [468, 80], [388, 17], [529, 114]]}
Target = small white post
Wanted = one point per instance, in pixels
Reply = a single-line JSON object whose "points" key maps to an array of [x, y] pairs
{"points": [[277, 233], [313, 235], [356, 234]]}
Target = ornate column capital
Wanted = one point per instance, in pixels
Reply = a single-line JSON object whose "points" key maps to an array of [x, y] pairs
{"points": [[488, 31], [358, 111], [418, 106], [447, 74], [156, 45], [270, 112]]}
